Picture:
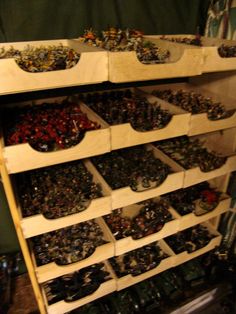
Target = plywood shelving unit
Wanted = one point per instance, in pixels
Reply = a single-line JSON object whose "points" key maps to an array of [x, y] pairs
{"points": [[123, 67]]}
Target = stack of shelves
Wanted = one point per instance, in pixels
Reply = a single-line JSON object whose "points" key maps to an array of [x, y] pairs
{"points": [[123, 67]]}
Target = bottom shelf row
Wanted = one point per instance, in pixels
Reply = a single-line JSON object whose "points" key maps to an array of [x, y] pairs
{"points": [[76, 289]]}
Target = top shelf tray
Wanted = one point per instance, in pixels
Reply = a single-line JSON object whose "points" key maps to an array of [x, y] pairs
{"points": [[91, 68], [212, 61], [184, 61]]}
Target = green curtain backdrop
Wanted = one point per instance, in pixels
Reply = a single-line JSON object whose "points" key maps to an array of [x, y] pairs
{"points": [[22, 20]]}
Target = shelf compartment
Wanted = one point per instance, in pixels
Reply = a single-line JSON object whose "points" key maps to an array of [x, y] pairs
{"points": [[184, 61], [64, 307], [124, 135], [129, 280], [38, 224], [191, 219], [195, 175], [128, 244], [212, 61], [221, 142], [214, 242], [22, 157], [199, 123], [126, 196], [52, 270], [91, 68]]}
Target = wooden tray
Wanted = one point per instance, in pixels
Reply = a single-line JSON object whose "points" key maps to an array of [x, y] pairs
{"points": [[185, 256], [64, 307], [52, 270], [126, 196], [38, 224], [199, 123], [212, 61], [129, 280], [128, 244], [184, 61], [221, 142], [124, 135], [91, 68], [22, 157], [191, 219]]}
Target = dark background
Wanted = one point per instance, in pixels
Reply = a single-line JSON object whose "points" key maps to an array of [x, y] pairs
{"points": [[22, 20]]}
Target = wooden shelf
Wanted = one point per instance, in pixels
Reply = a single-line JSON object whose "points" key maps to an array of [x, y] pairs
{"points": [[101, 253], [184, 61], [38, 224], [64, 307], [129, 280], [91, 68], [185, 256], [128, 244], [95, 66], [199, 123], [23, 157]]}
